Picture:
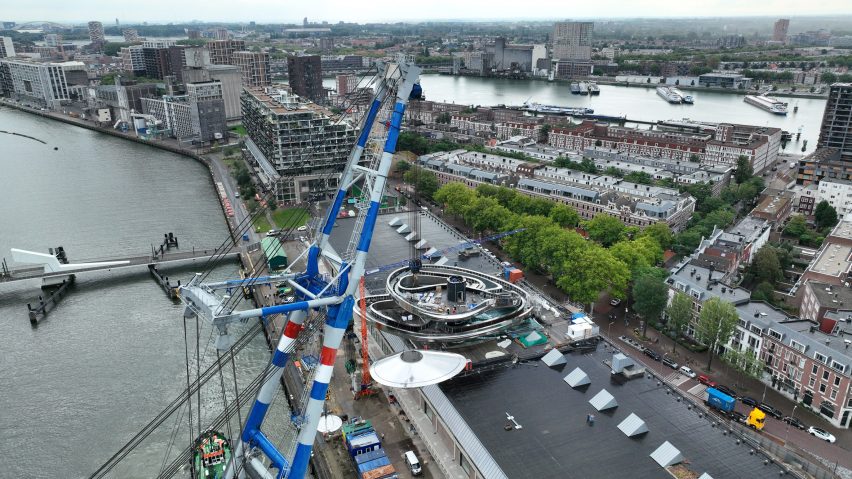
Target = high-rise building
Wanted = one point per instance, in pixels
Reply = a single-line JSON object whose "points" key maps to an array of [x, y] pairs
{"points": [[254, 68], [572, 40], [836, 128], [346, 84], [96, 34], [298, 147], [779, 32], [130, 35], [222, 51], [7, 48], [36, 82], [53, 39], [133, 60], [222, 34], [207, 110], [305, 77], [193, 34], [228, 77]]}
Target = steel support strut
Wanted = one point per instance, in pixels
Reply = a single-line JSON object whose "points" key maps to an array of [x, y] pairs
{"points": [[339, 306]]}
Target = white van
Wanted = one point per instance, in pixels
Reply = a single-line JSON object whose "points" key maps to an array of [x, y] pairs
{"points": [[413, 463]]}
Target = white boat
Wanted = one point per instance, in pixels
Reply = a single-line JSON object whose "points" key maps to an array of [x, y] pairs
{"points": [[558, 110], [584, 88], [767, 103], [684, 98], [667, 94]]}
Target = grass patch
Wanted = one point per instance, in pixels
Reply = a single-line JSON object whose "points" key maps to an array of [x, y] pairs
{"points": [[261, 224], [240, 130], [290, 217]]}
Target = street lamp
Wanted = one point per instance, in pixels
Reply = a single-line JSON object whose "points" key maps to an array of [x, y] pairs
{"points": [[787, 431]]}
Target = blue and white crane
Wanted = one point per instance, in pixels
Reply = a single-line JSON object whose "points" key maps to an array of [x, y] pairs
{"points": [[314, 292]]}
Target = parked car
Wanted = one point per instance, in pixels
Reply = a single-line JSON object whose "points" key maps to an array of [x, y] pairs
{"points": [[615, 302], [749, 401], [768, 409], [652, 354], [705, 380], [727, 390], [272, 233], [670, 363], [738, 417], [795, 422], [302, 228], [824, 435], [686, 370]]}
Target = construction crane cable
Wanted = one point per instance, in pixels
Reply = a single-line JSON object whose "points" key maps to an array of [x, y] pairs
{"points": [[186, 355], [172, 407]]}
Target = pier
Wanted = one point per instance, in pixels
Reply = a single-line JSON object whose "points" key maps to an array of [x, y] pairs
{"points": [[58, 276]]}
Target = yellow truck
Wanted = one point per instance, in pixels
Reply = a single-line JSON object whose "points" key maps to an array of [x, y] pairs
{"points": [[755, 419]]}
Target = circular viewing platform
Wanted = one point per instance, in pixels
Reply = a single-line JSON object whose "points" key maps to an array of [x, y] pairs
{"points": [[447, 304]]}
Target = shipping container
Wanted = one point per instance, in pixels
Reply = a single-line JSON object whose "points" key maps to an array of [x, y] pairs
{"points": [[719, 400], [513, 275], [276, 258]]}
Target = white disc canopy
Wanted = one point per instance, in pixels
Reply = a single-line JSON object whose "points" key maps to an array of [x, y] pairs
{"points": [[329, 423], [416, 368]]}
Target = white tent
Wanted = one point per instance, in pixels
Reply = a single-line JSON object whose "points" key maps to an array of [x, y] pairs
{"points": [[667, 455], [633, 425], [577, 378], [603, 401], [553, 358], [395, 221]]}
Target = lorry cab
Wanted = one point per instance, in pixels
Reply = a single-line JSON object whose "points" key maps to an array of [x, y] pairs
{"points": [[412, 463], [755, 419]]}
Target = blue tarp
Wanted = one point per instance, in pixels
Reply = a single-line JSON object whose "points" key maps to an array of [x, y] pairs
{"points": [[374, 464]]}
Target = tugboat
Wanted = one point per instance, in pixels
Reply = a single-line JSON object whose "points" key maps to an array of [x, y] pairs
{"points": [[210, 455]]}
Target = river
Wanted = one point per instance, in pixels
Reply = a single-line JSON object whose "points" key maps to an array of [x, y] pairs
{"points": [[637, 103], [111, 355]]}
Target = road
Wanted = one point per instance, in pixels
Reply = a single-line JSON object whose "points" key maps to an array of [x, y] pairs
{"points": [[839, 452]]}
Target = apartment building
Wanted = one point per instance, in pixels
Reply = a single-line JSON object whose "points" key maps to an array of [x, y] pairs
{"points": [[38, 83], [836, 128], [222, 51], [590, 194], [298, 149], [254, 68], [7, 48], [173, 113], [572, 40], [305, 77], [96, 34], [133, 60], [838, 193]]}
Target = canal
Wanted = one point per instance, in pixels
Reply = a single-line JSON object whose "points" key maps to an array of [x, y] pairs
{"points": [[74, 389], [637, 103]]}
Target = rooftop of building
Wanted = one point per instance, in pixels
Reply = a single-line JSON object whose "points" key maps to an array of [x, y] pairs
{"points": [[556, 441], [749, 228], [698, 280], [833, 260], [772, 205], [722, 75], [843, 229], [836, 348], [831, 296]]}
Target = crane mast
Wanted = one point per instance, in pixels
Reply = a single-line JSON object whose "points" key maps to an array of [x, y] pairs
{"points": [[336, 297]]}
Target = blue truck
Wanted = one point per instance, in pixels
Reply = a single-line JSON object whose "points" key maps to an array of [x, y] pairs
{"points": [[719, 400]]}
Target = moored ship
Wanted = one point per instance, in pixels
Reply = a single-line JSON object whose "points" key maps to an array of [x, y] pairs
{"points": [[683, 97], [767, 103], [668, 94], [210, 455]]}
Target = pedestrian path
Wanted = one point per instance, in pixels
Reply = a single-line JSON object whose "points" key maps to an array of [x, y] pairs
{"points": [[698, 390], [676, 379]]}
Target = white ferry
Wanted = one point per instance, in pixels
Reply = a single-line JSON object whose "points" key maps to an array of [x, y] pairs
{"points": [[668, 94], [768, 103]]}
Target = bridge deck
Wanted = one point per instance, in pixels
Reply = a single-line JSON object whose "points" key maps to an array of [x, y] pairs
{"points": [[34, 272]]}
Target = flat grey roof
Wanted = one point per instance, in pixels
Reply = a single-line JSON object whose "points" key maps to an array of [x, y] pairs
{"points": [[556, 442]]}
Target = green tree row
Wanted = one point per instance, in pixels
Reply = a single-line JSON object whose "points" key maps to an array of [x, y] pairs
{"points": [[549, 244]]}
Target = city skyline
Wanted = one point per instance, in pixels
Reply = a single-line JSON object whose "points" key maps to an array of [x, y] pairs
{"points": [[334, 11]]}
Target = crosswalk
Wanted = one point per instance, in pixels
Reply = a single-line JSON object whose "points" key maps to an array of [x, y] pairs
{"points": [[697, 390], [675, 378]]}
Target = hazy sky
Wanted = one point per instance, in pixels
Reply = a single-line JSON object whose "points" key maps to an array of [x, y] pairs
{"points": [[279, 11]]}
